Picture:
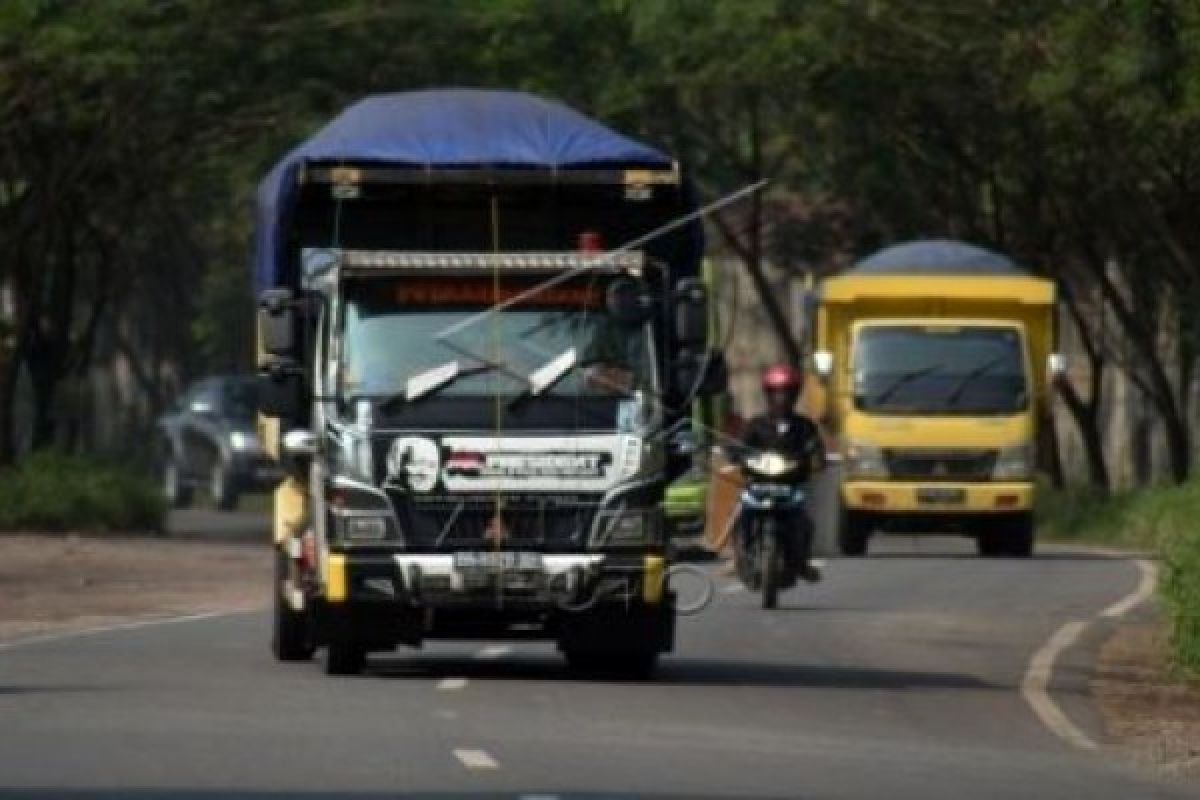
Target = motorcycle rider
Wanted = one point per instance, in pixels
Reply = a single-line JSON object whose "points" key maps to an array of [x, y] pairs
{"points": [[781, 429]]}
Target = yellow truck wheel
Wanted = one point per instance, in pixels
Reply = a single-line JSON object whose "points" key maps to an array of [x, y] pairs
{"points": [[854, 531]]}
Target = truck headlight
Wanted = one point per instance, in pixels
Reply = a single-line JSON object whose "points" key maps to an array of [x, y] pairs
{"points": [[861, 460], [626, 528], [1014, 463], [366, 528], [241, 440]]}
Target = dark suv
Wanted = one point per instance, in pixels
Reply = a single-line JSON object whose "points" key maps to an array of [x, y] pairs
{"points": [[209, 441]]}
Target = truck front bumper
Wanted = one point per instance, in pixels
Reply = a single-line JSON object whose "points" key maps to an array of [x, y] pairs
{"points": [[384, 599], [897, 497]]}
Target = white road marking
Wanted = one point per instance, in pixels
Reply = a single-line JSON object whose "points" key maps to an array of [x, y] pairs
{"points": [[475, 759], [1139, 595], [540, 797], [732, 588], [1035, 685], [494, 651], [452, 684], [115, 628], [1037, 680]]}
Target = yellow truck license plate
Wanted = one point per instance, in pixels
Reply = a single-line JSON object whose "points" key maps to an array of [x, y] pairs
{"points": [[941, 496]]}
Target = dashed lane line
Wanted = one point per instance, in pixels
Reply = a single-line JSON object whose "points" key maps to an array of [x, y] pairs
{"points": [[475, 759], [452, 684]]}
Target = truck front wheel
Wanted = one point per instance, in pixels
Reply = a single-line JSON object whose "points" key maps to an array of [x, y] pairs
{"points": [[290, 636], [632, 664], [854, 531], [345, 659], [1010, 536]]}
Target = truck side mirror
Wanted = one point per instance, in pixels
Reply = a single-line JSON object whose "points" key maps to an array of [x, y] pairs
{"points": [[703, 372], [277, 323], [281, 390], [1056, 368], [628, 302], [822, 361], [691, 313]]}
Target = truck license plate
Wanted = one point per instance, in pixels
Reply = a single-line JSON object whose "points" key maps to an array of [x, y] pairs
{"points": [[941, 496], [498, 561]]}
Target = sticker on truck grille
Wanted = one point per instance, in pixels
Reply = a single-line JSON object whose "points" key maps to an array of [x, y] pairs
{"points": [[413, 463], [527, 465]]}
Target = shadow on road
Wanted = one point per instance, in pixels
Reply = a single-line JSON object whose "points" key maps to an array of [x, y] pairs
{"points": [[233, 794], [684, 672]]}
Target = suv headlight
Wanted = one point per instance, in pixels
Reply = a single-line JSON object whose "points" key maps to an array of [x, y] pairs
{"points": [[861, 460], [355, 457], [1014, 463]]}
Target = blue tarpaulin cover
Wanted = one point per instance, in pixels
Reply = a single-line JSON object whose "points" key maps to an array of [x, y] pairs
{"points": [[443, 128], [936, 257]]}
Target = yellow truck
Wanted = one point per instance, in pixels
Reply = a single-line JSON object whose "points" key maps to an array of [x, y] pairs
{"points": [[936, 359]]}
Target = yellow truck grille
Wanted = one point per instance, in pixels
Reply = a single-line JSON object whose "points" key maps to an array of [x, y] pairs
{"points": [[934, 465]]}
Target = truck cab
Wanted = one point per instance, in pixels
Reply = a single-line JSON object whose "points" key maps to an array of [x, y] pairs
{"points": [[475, 393], [936, 385]]}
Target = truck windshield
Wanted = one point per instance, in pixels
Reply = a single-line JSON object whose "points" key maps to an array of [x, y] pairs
{"points": [[913, 369], [396, 329]]}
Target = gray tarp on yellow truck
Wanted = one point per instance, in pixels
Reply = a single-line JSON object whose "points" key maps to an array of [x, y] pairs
{"points": [[477, 345]]}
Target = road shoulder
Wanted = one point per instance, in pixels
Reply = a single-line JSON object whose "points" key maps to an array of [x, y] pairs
{"points": [[55, 584], [1149, 713]]}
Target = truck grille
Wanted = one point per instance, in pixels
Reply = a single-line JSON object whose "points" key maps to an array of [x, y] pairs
{"points": [[946, 465], [449, 524]]}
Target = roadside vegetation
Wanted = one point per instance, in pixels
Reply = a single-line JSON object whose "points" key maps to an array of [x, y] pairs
{"points": [[50, 491], [1161, 520]]}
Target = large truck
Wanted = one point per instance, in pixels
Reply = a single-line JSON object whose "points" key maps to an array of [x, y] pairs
{"points": [[481, 328], [937, 359]]}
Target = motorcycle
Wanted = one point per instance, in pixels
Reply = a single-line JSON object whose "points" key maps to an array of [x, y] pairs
{"points": [[771, 499]]}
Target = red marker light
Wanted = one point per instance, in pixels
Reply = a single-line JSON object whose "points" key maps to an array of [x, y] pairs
{"points": [[591, 242]]}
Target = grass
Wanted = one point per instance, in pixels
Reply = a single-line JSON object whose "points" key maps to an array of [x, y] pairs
{"points": [[53, 492], [1164, 520]]}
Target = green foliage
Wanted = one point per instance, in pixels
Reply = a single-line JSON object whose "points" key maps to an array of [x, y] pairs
{"points": [[1160, 520], [50, 491]]}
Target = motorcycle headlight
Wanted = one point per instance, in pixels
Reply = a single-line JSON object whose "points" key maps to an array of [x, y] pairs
{"points": [[241, 440], [861, 460], [1014, 463]]}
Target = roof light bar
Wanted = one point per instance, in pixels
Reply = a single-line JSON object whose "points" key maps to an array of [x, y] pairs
{"points": [[478, 262]]}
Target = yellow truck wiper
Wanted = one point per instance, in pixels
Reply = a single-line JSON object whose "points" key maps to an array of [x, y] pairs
{"points": [[970, 377], [902, 380]]}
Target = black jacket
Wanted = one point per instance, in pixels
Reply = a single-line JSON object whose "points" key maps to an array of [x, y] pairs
{"points": [[794, 436]]}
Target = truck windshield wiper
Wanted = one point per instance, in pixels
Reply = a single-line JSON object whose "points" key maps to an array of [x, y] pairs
{"points": [[970, 377], [552, 371], [441, 376], [902, 380]]}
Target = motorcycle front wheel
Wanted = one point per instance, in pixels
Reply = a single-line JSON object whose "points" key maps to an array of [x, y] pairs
{"points": [[768, 566]]}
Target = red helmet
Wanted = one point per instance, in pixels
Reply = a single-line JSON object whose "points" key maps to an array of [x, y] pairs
{"points": [[781, 376]]}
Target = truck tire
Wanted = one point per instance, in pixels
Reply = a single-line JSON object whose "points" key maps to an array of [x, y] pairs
{"points": [[290, 636], [1021, 534], [1009, 537], [345, 659], [222, 486], [176, 493], [853, 534], [629, 664]]}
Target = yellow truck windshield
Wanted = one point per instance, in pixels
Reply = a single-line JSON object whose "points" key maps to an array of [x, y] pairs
{"points": [[915, 369]]}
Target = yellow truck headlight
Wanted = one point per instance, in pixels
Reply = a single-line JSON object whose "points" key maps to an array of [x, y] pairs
{"points": [[1014, 463], [861, 460]]}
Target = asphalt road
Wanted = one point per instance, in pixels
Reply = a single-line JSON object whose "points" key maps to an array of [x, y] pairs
{"points": [[896, 678]]}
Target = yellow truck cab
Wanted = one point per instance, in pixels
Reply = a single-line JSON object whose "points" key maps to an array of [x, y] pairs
{"points": [[936, 358]]}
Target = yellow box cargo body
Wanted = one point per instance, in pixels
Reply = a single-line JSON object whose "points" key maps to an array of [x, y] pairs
{"points": [[935, 383]]}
